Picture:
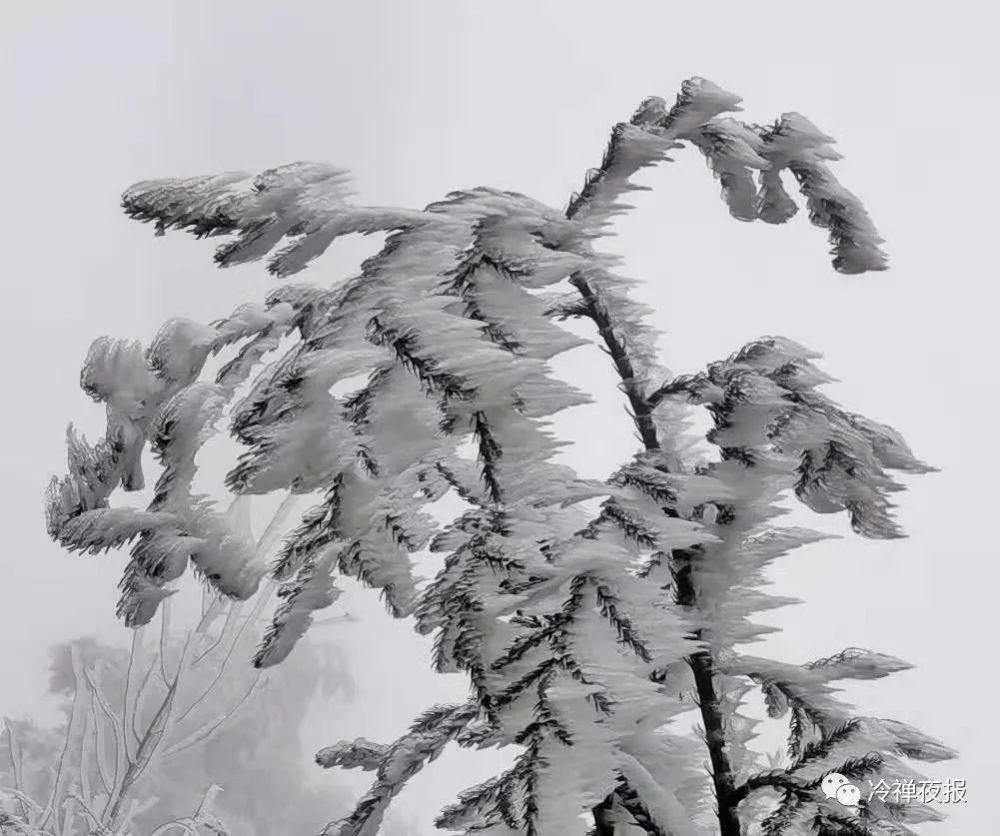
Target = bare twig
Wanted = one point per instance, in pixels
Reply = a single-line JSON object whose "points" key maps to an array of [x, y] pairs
{"points": [[267, 540], [136, 641], [121, 749], [189, 824], [85, 787], [73, 727], [144, 754], [164, 638], [273, 530], [137, 702], [265, 596], [93, 725], [208, 729], [231, 615], [264, 545], [98, 827], [14, 754]]}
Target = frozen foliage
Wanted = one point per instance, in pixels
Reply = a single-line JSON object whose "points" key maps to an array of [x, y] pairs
{"points": [[586, 639], [153, 396]]}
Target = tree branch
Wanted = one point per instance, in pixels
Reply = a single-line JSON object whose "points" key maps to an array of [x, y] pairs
{"points": [[72, 731], [121, 749], [595, 309], [137, 700], [102, 773], [14, 754], [701, 662], [209, 729], [136, 638]]}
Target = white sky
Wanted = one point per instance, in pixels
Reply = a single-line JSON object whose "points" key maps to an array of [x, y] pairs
{"points": [[419, 98]]}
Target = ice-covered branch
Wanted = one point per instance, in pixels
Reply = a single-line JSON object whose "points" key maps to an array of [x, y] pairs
{"points": [[397, 763], [305, 202]]}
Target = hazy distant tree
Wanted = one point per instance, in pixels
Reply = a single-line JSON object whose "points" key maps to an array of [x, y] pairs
{"points": [[585, 634], [149, 731]]}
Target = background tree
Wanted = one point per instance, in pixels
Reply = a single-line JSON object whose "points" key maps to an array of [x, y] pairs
{"points": [[173, 735], [587, 633]]}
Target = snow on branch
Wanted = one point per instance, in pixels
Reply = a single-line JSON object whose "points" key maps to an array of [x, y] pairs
{"points": [[153, 396], [423, 743], [735, 151], [763, 402], [303, 201]]}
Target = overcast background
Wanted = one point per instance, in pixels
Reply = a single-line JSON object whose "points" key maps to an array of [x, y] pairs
{"points": [[419, 98]]}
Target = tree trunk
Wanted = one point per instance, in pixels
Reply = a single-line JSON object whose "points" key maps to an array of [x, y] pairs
{"points": [[715, 738], [603, 826]]}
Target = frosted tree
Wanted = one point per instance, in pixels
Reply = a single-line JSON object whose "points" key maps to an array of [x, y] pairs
{"points": [[592, 618], [151, 734]]}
